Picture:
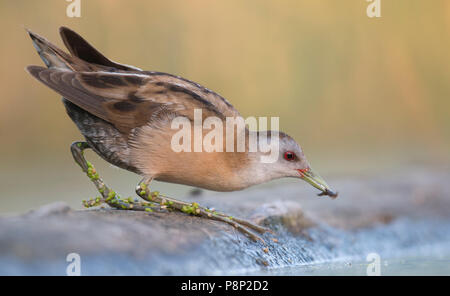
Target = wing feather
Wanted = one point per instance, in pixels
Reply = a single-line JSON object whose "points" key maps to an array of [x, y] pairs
{"points": [[126, 100]]}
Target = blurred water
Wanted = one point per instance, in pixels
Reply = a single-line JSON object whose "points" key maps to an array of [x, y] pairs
{"points": [[404, 246], [412, 266]]}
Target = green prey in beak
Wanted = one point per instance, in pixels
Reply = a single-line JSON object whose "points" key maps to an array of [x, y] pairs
{"points": [[315, 180]]}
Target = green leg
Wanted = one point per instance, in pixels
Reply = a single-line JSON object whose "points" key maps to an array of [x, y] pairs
{"points": [[108, 196], [194, 208], [155, 201]]}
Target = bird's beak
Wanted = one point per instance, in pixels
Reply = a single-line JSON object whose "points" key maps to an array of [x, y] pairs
{"points": [[315, 180]]}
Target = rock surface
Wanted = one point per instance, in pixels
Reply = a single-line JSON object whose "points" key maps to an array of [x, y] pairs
{"points": [[394, 213]]}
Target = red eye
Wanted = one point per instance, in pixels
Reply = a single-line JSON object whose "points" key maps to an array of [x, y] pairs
{"points": [[289, 155]]}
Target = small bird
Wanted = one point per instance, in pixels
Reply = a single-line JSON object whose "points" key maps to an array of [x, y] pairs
{"points": [[125, 115]]}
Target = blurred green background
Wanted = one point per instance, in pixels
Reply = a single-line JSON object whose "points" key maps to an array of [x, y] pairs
{"points": [[360, 95]]}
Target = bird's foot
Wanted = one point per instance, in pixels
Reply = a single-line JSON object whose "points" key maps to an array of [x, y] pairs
{"points": [[107, 195], [155, 201], [244, 226]]}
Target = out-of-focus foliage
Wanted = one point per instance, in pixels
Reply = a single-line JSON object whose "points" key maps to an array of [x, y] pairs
{"points": [[353, 91]]}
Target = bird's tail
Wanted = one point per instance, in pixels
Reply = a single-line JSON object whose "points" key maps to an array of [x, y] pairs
{"points": [[82, 57], [80, 48], [52, 56]]}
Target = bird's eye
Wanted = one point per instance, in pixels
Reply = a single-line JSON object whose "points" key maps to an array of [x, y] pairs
{"points": [[289, 155]]}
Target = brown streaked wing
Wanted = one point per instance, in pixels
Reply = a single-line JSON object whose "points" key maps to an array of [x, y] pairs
{"points": [[125, 100], [219, 102]]}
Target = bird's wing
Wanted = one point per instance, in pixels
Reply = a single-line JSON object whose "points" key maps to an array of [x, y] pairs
{"points": [[128, 100]]}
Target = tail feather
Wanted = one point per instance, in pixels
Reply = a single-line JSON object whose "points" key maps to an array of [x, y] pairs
{"points": [[80, 48], [82, 57], [52, 56]]}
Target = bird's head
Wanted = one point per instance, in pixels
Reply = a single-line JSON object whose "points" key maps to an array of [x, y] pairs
{"points": [[290, 161]]}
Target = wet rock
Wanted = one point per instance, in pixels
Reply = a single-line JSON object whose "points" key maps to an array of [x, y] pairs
{"points": [[287, 214], [50, 209], [393, 214]]}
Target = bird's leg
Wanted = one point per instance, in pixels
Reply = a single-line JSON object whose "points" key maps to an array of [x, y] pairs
{"points": [[153, 199], [108, 196], [195, 209]]}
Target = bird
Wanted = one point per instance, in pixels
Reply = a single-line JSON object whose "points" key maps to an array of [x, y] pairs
{"points": [[125, 115]]}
